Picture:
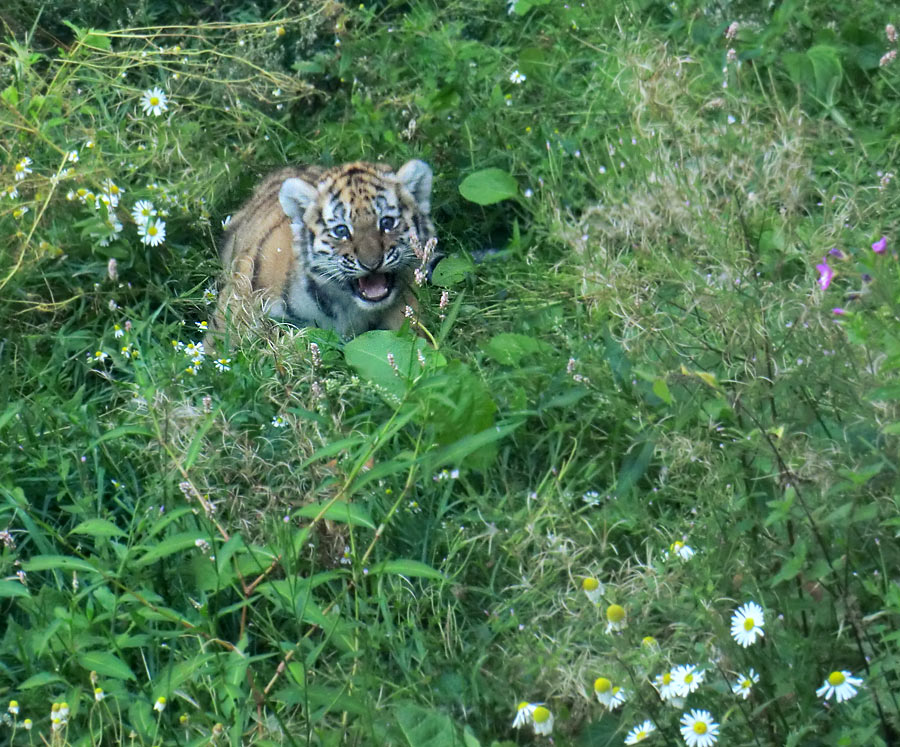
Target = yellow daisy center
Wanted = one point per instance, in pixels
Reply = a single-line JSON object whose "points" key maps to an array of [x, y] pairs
{"points": [[154, 101], [699, 727], [152, 230], [615, 613], [523, 704], [590, 584], [749, 624], [602, 685], [688, 678], [746, 684], [835, 679], [667, 678], [641, 735], [540, 714]]}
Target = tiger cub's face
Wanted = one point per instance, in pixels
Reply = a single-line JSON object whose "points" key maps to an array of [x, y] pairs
{"points": [[354, 223]]}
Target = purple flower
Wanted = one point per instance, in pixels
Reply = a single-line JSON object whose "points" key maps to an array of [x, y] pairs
{"points": [[879, 246], [825, 274], [835, 252], [838, 311]]}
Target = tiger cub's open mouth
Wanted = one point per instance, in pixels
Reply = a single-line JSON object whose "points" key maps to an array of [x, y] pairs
{"points": [[375, 287]]}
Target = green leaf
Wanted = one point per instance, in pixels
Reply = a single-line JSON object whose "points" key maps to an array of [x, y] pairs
{"points": [[40, 680], [661, 390], [171, 545], [122, 430], [489, 186], [106, 665], [424, 727], [98, 528], [509, 348], [827, 71], [411, 568], [452, 270], [57, 562], [13, 589], [340, 511], [368, 355]]}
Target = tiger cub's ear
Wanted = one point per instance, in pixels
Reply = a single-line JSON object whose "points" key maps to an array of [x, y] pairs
{"points": [[415, 177], [295, 196]]}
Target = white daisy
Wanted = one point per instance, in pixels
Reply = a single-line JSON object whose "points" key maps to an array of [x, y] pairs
{"points": [[524, 712], [744, 684], [112, 191], [154, 101], [223, 364], [21, 170], [516, 77], [640, 732], [615, 618], [698, 729], [279, 422], [666, 686], [747, 624], [153, 232], [593, 589], [687, 678], [143, 211], [681, 550], [542, 721], [840, 684]]}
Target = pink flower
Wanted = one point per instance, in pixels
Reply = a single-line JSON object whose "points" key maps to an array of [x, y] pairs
{"points": [[879, 246], [825, 274], [838, 311]]}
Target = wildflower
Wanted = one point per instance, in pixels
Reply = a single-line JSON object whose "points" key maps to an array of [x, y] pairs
{"points": [[27, 723], [223, 365], [524, 713], [279, 31], [209, 295], [14, 707], [279, 422], [542, 720], [160, 704], [743, 685], [142, 212], [615, 618], [698, 729], [879, 246], [887, 58], [838, 311], [593, 588], [112, 269], [11, 191], [202, 326], [840, 684], [516, 77], [112, 192], [747, 624], [19, 212], [731, 31], [21, 169], [825, 274], [666, 686], [681, 550], [72, 156], [154, 101], [609, 695], [153, 232], [890, 31], [99, 356], [99, 694], [649, 642], [195, 351], [686, 679], [640, 732], [118, 331]]}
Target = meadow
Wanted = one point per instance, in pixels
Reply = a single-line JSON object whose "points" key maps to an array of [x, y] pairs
{"points": [[639, 484]]}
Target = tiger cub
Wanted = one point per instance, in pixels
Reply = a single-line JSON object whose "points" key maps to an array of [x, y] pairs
{"points": [[333, 248]]}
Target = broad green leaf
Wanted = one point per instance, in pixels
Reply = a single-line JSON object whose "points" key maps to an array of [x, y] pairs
{"points": [[455, 453], [452, 270], [488, 186], [340, 511], [40, 680], [57, 562], [661, 390], [171, 545], [509, 348], [368, 355], [827, 72], [425, 727], [13, 589], [122, 430], [411, 568], [106, 665], [98, 528]]}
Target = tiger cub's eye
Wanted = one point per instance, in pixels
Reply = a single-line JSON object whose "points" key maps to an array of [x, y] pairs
{"points": [[387, 223], [340, 231]]}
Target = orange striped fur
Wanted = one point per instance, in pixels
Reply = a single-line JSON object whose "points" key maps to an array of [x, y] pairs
{"points": [[330, 248]]}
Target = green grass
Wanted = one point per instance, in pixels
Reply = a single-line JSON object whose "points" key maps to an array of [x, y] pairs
{"points": [[636, 350]]}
